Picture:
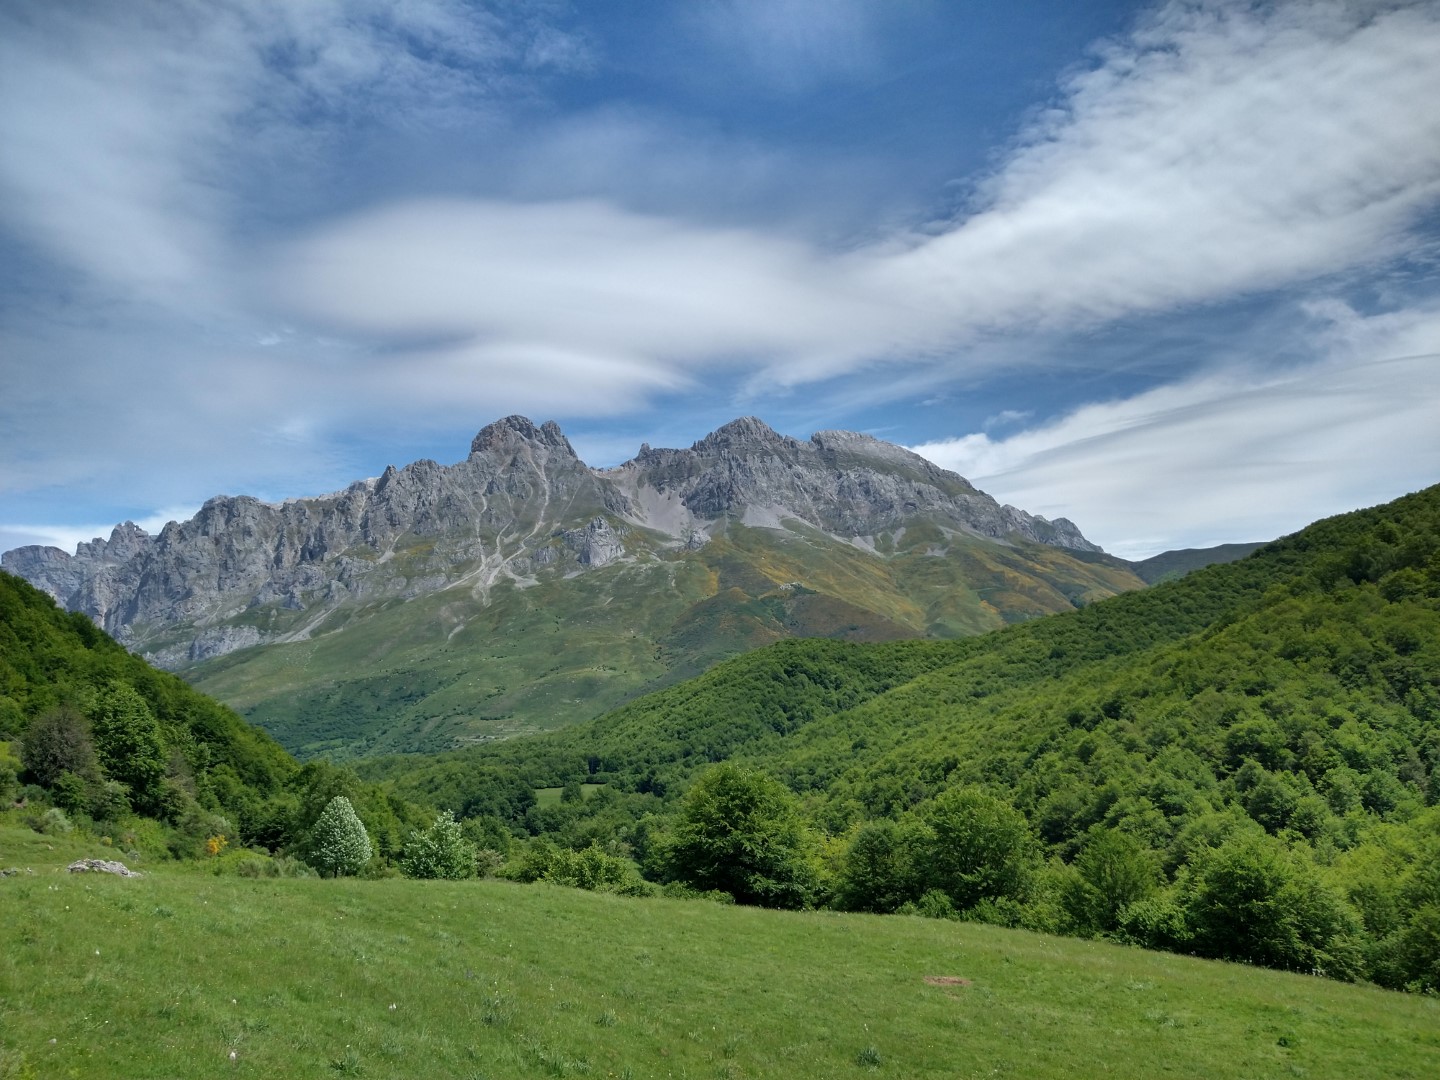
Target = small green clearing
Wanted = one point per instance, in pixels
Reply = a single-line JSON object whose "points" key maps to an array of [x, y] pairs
{"points": [[550, 796]]}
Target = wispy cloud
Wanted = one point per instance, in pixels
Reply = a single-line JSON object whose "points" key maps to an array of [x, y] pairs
{"points": [[1234, 455], [1219, 150], [129, 128], [1222, 148]]}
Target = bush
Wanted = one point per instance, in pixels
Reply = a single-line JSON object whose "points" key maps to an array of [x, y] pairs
{"points": [[1156, 922], [592, 869], [58, 742], [881, 867], [441, 851], [339, 843], [53, 822], [982, 848], [1251, 900], [739, 832], [1113, 871]]}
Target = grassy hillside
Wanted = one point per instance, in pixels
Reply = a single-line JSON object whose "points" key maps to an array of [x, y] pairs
{"points": [[458, 667], [173, 974], [1277, 717]]}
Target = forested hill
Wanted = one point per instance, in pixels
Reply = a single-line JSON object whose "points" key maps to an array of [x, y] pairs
{"points": [[776, 704], [167, 744], [1281, 712], [95, 735]]}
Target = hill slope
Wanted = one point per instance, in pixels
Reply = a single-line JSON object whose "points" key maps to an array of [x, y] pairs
{"points": [[176, 752], [1173, 564], [485, 978], [122, 749]]}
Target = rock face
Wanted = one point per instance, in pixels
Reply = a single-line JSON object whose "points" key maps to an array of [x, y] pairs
{"points": [[243, 572], [842, 482]]}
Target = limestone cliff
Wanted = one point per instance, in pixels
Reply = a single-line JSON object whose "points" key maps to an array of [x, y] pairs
{"points": [[519, 506]]}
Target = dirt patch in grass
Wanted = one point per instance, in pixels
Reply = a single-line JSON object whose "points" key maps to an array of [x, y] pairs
{"points": [[946, 980]]}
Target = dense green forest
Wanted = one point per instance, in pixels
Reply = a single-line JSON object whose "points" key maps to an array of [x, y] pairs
{"points": [[1242, 763], [93, 737]]}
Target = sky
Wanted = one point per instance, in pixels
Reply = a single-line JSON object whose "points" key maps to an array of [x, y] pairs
{"points": [[1170, 270]]}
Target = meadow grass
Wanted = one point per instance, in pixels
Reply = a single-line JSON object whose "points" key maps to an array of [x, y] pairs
{"points": [[550, 796], [172, 974]]}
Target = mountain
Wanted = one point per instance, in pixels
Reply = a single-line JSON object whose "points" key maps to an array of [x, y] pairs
{"points": [[519, 588], [1172, 564]]}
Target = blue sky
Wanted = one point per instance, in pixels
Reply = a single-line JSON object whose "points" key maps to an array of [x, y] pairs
{"points": [[1169, 270]]}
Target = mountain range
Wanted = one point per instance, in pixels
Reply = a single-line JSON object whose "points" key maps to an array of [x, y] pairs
{"points": [[520, 589]]}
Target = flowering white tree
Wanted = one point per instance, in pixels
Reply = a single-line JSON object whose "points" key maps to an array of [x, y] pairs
{"points": [[339, 843]]}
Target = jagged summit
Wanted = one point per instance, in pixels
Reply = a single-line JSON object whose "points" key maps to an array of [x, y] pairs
{"points": [[747, 434], [513, 431], [520, 509]]}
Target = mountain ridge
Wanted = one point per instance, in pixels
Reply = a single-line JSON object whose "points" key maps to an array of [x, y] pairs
{"points": [[519, 589], [133, 581]]}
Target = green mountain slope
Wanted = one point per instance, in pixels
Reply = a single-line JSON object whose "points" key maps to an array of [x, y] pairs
{"points": [[1173, 564], [197, 754], [456, 667]]}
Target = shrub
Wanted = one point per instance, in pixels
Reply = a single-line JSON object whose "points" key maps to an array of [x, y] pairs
{"points": [[58, 742], [339, 843], [739, 832], [592, 869], [1251, 900], [982, 848], [53, 822], [441, 851], [880, 869], [1113, 871]]}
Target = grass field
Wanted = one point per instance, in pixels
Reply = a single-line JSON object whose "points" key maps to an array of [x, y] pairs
{"points": [[186, 974]]}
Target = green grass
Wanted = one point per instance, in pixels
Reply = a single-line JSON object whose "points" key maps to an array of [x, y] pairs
{"points": [[168, 975], [550, 796]]}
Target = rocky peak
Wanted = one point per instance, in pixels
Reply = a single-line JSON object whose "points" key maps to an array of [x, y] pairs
{"points": [[520, 505], [126, 539], [748, 434], [515, 431]]}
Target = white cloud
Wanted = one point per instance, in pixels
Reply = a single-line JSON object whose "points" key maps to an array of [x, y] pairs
{"points": [[1220, 150], [1232, 456], [582, 279], [129, 128]]}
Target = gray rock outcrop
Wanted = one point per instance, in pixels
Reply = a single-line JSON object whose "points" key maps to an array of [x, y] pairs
{"points": [[102, 866], [244, 572]]}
